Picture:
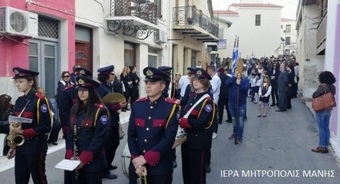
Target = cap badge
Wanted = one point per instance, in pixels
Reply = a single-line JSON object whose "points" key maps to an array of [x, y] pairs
{"points": [[81, 82], [82, 72], [149, 73], [16, 71], [199, 72]]}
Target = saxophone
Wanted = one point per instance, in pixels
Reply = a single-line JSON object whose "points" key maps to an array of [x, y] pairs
{"points": [[14, 139]]}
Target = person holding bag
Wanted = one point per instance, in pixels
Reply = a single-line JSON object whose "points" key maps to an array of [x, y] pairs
{"points": [[327, 80]]}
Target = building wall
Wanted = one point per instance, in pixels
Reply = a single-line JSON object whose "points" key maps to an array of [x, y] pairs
{"points": [[310, 68], [15, 53], [285, 33], [332, 63], [253, 42]]}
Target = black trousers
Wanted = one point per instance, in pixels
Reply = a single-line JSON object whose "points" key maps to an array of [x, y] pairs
{"points": [[274, 94], [30, 164], [193, 165], [83, 177], [111, 145], [282, 102], [223, 104]]}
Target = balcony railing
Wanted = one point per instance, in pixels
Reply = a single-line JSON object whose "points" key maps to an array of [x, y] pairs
{"points": [[143, 9], [190, 16]]}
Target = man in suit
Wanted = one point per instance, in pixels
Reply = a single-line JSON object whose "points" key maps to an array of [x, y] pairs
{"points": [[282, 87]]}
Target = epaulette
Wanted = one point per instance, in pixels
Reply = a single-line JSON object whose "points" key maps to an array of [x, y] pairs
{"points": [[209, 98], [39, 95], [99, 105], [68, 87], [170, 100], [142, 99]]}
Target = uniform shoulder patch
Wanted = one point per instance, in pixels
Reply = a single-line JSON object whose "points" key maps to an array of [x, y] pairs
{"points": [[170, 100], [103, 120], [39, 95], [142, 99], [43, 108], [208, 108]]}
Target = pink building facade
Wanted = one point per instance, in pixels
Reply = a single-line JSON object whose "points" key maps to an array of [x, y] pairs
{"points": [[49, 52]]}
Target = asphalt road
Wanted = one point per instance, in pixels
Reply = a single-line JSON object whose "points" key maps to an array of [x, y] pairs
{"points": [[275, 149]]}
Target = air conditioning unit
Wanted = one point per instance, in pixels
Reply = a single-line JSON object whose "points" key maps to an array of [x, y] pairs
{"points": [[18, 22], [160, 37]]}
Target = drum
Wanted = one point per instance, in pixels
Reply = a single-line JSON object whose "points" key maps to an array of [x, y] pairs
{"points": [[126, 159]]}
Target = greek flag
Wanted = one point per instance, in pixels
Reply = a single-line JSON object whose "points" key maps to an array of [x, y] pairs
{"points": [[235, 56]]}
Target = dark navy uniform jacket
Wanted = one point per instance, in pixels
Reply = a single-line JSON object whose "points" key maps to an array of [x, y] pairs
{"points": [[91, 136], [104, 90], [39, 111], [67, 98], [198, 125], [151, 133]]}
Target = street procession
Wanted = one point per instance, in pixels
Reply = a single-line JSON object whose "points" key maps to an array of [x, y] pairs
{"points": [[162, 92]]}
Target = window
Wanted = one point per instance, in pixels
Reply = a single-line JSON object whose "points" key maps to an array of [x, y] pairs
{"points": [[153, 59], [257, 20], [288, 28], [287, 40], [159, 8]]}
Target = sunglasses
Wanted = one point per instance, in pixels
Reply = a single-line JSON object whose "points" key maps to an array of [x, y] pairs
{"points": [[66, 76]]}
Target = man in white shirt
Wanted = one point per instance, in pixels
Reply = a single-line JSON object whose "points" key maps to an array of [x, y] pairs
{"points": [[185, 81], [215, 89]]}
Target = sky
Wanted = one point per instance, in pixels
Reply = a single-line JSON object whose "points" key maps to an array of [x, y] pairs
{"points": [[288, 10]]}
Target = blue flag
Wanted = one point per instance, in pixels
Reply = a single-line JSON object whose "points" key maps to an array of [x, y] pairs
{"points": [[235, 56]]}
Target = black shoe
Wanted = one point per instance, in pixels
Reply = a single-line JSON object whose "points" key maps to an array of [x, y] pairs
{"points": [[207, 169], [174, 164], [272, 105], [112, 167], [239, 141], [54, 143], [279, 110], [111, 176], [232, 136], [228, 121], [123, 110]]}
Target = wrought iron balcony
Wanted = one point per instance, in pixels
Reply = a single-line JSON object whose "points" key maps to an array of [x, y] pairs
{"points": [[134, 17], [191, 21]]}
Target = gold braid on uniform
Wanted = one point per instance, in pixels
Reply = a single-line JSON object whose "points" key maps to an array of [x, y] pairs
{"points": [[213, 116], [171, 114]]}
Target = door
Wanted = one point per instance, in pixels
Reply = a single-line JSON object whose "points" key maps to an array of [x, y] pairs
{"points": [[84, 55], [43, 59]]}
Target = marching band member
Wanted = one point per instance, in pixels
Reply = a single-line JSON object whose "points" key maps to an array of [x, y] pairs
{"points": [[31, 155], [197, 122], [109, 85], [87, 133], [152, 131]]}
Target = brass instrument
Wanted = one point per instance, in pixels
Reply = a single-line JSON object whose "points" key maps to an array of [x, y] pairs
{"points": [[113, 98], [142, 179], [14, 139]]}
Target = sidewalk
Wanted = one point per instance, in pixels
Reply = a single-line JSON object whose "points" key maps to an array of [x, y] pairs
{"points": [[6, 164]]}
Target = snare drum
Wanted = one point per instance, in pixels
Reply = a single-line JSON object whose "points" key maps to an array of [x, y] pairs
{"points": [[126, 159]]}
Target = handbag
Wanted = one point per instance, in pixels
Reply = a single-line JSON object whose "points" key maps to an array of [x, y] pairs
{"points": [[181, 136], [323, 102]]}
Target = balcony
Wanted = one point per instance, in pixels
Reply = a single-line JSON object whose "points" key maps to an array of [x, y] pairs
{"points": [[321, 36], [136, 18], [191, 21]]}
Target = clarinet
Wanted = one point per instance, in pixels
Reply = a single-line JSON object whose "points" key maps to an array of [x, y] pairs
{"points": [[75, 150]]}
